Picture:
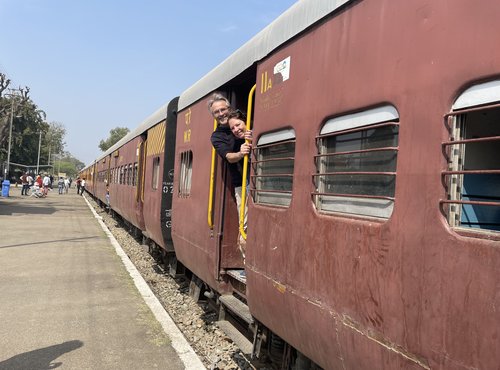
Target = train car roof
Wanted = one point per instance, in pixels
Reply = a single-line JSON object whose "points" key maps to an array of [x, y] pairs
{"points": [[296, 19], [149, 122]]}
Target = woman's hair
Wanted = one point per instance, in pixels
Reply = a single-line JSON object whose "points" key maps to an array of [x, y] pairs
{"points": [[236, 113]]}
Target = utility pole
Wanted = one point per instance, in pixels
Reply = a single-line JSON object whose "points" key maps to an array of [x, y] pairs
{"points": [[59, 166], [39, 146], [7, 169], [13, 95]]}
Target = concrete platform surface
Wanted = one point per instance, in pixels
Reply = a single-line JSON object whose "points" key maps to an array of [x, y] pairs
{"points": [[67, 300]]}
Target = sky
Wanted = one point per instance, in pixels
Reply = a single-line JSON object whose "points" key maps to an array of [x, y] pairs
{"points": [[94, 65]]}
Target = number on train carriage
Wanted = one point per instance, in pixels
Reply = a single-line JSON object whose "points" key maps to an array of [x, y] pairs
{"points": [[273, 168], [472, 154], [356, 163]]}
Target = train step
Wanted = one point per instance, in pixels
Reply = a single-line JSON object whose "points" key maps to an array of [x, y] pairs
{"points": [[239, 275], [237, 307], [239, 339]]}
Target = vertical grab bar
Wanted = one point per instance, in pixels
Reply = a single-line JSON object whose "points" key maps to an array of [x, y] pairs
{"points": [[211, 191], [245, 166]]}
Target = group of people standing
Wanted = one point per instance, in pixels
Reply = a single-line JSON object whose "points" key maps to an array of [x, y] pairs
{"points": [[40, 186], [232, 142]]}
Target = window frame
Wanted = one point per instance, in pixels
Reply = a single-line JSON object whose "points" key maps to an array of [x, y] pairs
{"points": [[272, 197], [185, 173], [354, 204], [477, 99], [155, 174]]}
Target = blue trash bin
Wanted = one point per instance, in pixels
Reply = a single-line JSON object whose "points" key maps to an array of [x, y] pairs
{"points": [[5, 188]]}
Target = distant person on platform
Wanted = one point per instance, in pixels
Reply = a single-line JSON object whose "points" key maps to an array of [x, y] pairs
{"points": [[78, 185], [66, 185], [82, 186], [25, 184], [46, 184], [60, 185], [31, 181]]}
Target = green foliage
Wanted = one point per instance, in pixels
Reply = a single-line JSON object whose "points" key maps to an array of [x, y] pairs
{"points": [[29, 130], [114, 136]]}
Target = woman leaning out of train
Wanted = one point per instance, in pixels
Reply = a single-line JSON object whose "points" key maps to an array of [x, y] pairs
{"points": [[236, 121]]}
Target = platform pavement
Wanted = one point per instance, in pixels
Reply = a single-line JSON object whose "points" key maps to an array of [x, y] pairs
{"points": [[67, 300]]}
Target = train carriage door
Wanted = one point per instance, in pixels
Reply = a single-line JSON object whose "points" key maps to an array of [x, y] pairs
{"points": [[223, 213]]}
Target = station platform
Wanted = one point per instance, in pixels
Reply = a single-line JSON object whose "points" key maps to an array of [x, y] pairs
{"points": [[71, 299]]}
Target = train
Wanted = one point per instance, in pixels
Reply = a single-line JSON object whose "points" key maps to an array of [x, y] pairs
{"points": [[373, 237]]}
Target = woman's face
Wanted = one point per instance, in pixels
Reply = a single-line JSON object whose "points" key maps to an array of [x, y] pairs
{"points": [[238, 127]]}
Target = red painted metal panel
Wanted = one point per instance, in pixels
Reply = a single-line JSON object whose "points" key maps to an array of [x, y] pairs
{"points": [[404, 292], [123, 196]]}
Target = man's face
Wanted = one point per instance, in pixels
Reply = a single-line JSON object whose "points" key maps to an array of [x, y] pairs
{"points": [[219, 111], [238, 127]]}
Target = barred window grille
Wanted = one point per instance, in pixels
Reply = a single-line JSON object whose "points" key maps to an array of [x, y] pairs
{"points": [[356, 163], [185, 173], [273, 165], [472, 177], [156, 173]]}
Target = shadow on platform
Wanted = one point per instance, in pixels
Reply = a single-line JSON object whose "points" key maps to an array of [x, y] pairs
{"points": [[40, 359], [50, 242]]}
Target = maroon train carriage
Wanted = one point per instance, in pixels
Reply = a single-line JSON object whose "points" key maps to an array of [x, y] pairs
{"points": [[374, 217], [138, 174]]}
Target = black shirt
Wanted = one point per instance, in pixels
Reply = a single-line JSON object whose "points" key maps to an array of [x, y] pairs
{"points": [[225, 142]]}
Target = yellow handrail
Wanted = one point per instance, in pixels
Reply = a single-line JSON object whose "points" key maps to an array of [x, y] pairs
{"points": [[139, 174], [211, 191], [245, 166], [144, 158]]}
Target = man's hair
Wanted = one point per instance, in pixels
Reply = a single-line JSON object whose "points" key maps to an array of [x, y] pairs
{"points": [[217, 97]]}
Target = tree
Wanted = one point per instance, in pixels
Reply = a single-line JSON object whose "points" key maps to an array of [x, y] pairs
{"points": [[54, 140], [27, 123], [114, 136], [29, 130], [68, 164]]}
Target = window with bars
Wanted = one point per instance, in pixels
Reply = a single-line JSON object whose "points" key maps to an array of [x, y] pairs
{"points": [[134, 177], [472, 178], [156, 173], [185, 173], [273, 163], [121, 175], [356, 163]]}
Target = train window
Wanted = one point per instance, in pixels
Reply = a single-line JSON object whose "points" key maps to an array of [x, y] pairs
{"points": [[185, 173], [273, 163], [129, 179], [121, 175], [134, 178], [356, 163], [472, 178], [156, 173], [125, 173]]}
